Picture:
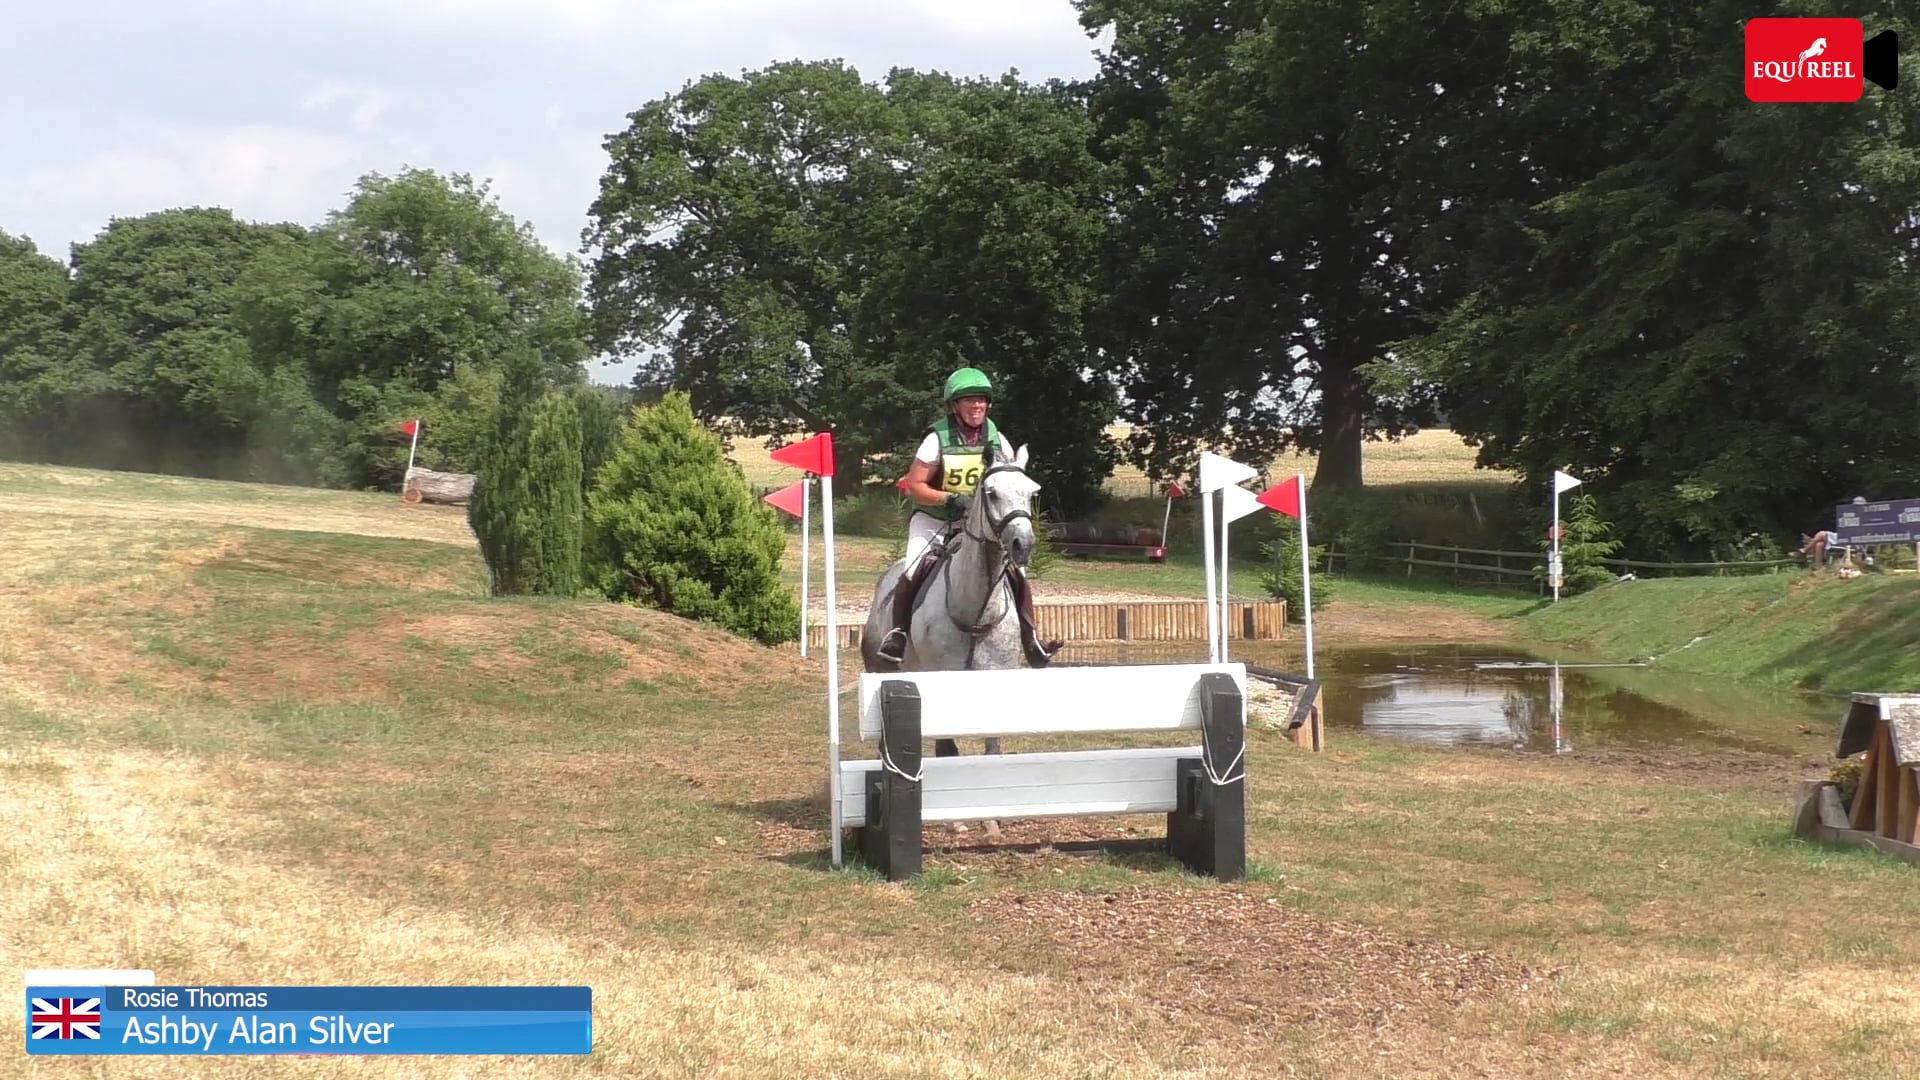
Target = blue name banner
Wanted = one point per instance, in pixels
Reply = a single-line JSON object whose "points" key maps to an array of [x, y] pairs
{"points": [[309, 1020]]}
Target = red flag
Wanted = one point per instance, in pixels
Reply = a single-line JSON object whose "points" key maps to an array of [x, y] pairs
{"points": [[815, 454], [1284, 498], [1174, 491], [792, 498], [408, 427]]}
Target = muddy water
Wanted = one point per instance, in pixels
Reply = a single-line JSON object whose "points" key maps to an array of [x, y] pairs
{"points": [[1452, 695]]}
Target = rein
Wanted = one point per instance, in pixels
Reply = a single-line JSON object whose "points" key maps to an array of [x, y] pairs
{"points": [[978, 628]]}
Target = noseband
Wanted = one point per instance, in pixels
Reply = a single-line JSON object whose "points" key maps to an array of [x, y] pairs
{"points": [[994, 527]]}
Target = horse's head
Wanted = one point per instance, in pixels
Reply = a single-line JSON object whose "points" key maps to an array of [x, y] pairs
{"points": [[1003, 508]]}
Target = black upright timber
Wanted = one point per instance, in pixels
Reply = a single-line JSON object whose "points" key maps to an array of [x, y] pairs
{"points": [[1208, 832], [890, 840]]}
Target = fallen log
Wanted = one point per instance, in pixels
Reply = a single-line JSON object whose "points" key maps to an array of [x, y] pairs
{"points": [[425, 485]]}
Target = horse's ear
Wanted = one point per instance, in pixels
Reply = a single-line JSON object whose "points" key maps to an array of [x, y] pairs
{"points": [[1020, 456]]}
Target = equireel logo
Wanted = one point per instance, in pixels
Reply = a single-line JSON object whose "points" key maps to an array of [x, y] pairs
{"points": [[1815, 59]]}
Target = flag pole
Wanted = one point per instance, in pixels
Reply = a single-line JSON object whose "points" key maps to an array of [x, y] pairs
{"points": [[806, 555], [1206, 558], [1553, 564], [1166, 520], [833, 665], [1223, 578], [410, 449], [1306, 572]]}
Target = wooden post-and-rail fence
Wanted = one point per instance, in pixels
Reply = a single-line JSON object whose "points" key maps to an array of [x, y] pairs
{"points": [[1144, 620], [1532, 564]]}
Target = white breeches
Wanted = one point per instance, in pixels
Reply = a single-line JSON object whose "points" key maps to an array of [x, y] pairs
{"points": [[922, 529]]}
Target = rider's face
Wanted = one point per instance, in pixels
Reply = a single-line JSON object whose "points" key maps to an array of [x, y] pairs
{"points": [[972, 411]]}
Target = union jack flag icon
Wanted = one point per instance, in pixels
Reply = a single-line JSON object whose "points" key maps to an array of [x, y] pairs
{"points": [[65, 1018]]}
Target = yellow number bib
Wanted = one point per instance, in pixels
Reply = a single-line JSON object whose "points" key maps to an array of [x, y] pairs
{"points": [[963, 471]]}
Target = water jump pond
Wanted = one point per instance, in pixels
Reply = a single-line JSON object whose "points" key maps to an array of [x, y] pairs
{"points": [[1507, 698]]}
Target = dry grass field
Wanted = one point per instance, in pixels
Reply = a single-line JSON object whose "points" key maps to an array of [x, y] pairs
{"points": [[1428, 457], [254, 735]]}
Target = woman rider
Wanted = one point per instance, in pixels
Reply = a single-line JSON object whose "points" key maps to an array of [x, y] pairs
{"points": [[946, 469]]}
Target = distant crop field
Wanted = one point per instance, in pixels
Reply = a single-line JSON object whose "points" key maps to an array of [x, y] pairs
{"points": [[1429, 457]]}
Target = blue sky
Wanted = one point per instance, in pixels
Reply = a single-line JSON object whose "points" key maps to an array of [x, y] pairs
{"points": [[119, 107]]}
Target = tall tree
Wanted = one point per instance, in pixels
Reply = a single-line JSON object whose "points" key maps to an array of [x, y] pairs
{"points": [[806, 249], [730, 225], [36, 370], [404, 302], [171, 383], [1713, 309], [995, 263], [1284, 211]]}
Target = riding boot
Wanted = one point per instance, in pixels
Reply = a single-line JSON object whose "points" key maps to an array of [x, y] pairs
{"points": [[893, 647], [1038, 654]]}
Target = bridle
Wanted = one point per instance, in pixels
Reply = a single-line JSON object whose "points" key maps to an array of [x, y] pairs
{"points": [[977, 629], [995, 527]]}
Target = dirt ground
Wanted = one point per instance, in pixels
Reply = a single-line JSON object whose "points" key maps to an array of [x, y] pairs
{"points": [[1359, 624]]}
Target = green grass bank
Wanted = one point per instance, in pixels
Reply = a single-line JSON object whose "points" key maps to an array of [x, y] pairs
{"points": [[1810, 631]]}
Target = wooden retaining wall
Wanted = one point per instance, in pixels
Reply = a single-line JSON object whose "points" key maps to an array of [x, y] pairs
{"points": [[1146, 620]]}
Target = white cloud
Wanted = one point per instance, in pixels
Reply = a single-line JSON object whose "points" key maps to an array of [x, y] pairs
{"points": [[1000, 19], [275, 113], [269, 172], [366, 104], [413, 149], [563, 14]]}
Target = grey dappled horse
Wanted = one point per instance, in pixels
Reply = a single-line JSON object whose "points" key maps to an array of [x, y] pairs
{"points": [[966, 619]]}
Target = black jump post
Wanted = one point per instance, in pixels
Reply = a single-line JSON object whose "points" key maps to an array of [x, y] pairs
{"points": [[1208, 832], [890, 840]]}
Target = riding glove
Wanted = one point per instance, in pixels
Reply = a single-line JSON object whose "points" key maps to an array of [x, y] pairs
{"points": [[959, 503]]}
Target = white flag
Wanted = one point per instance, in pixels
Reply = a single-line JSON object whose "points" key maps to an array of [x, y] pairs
{"points": [[1217, 472], [1238, 502], [1562, 482]]}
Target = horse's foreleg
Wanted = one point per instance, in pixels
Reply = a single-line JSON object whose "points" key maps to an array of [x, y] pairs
{"points": [[993, 827]]}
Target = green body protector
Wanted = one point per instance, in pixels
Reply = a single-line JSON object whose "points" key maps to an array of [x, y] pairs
{"points": [[961, 464]]}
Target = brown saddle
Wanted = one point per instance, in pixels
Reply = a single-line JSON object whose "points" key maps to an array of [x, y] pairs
{"points": [[937, 552]]}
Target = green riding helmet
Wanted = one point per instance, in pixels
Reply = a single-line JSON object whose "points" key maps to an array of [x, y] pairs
{"points": [[968, 382]]}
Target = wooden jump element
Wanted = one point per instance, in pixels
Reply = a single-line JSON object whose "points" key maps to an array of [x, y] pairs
{"points": [[1201, 789], [1886, 806], [1306, 725], [1143, 620]]}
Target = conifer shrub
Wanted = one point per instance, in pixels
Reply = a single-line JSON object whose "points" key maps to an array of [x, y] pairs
{"points": [[601, 414], [673, 525], [527, 504], [1280, 574], [1588, 540], [555, 494]]}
